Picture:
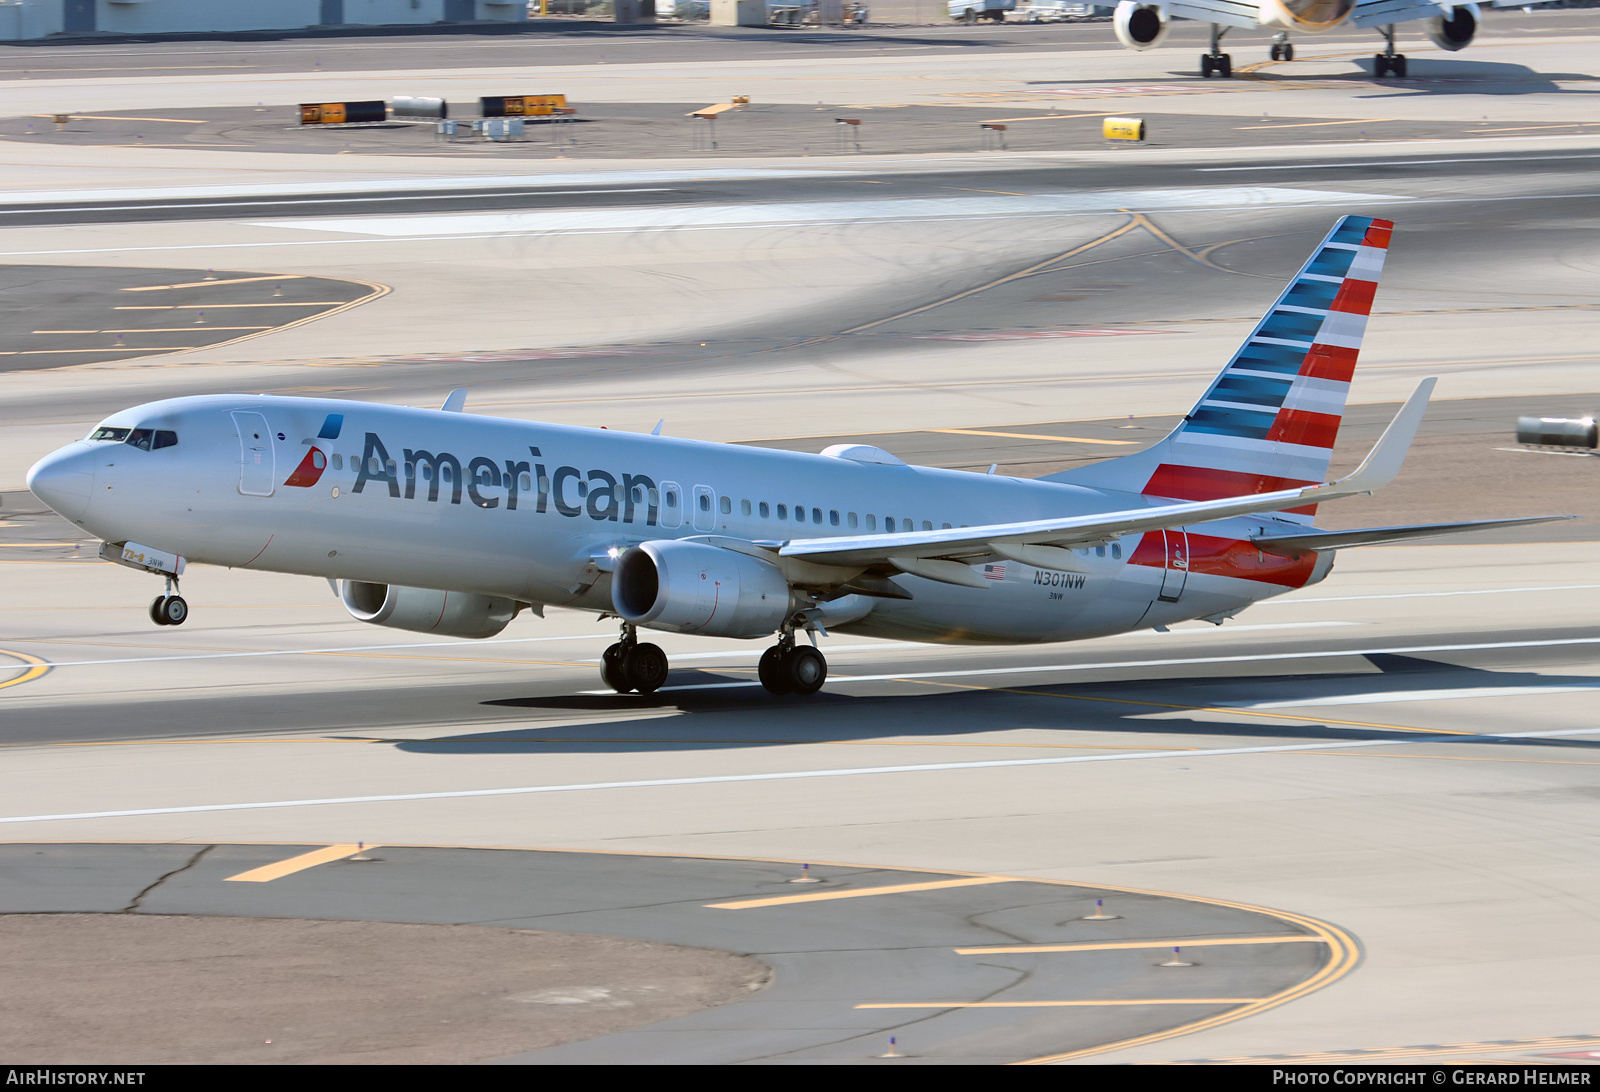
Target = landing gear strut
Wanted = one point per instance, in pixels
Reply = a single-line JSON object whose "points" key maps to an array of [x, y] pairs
{"points": [[1389, 63], [787, 668], [1216, 61], [629, 665], [1282, 48], [169, 609]]}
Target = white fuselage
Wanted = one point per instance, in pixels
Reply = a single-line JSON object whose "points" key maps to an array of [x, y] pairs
{"points": [[533, 512]]}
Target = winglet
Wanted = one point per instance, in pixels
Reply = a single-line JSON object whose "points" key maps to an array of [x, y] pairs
{"points": [[1383, 462], [456, 402]]}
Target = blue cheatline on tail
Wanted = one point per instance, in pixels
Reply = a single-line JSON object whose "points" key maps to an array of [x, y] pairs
{"points": [[1270, 418]]}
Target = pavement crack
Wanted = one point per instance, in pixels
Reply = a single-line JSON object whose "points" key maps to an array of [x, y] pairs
{"points": [[133, 907]]}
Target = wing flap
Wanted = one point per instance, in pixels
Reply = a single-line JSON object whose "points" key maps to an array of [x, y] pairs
{"points": [[1381, 13], [1228, 13]]}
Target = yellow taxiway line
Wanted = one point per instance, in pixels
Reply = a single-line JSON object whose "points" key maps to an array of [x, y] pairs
{"points": [[279, 869], [856, 893]]}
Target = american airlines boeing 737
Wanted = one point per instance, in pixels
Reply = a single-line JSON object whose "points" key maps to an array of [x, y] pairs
{"points": [[440, 522]]}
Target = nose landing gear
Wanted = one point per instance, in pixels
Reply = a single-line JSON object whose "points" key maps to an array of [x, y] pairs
{"points": [[1282, 48], [787, 668], [628, 665], [170, 609]]}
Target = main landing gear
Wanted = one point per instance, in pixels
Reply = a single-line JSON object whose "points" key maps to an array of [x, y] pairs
{"points": [[1389, 63], [1282, 48], [629, 665], [788, 668], [1216, 62], [169, 609]]}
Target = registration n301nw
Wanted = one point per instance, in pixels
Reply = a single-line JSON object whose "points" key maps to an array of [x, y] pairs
{"points": [[441, 522]]}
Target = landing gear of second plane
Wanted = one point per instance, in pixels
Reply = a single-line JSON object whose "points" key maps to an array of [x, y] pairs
{"points": [[785, 668]]}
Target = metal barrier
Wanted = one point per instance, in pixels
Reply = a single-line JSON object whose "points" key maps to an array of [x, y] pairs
{"points": [[994, 136], [418, 106], [511, 106], [1566, 432], [342, 113]]}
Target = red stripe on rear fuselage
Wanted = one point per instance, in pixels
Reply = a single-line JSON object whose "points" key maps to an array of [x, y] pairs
{"points": [[1232, 557]]}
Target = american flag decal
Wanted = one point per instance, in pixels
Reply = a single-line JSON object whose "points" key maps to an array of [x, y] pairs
{"points": [[994, 572]]}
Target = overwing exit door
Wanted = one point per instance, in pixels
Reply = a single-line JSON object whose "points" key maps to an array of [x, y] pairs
{"points": [[1176, 573], [257, 472]]}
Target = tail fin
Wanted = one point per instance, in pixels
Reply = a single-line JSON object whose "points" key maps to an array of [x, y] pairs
{"points": [[1270, 418]]}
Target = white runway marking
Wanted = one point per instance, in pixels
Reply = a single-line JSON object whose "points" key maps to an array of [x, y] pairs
{"points": [[1034, 669], [1414, 695], [1426, 594], [544, 221], [791, 775]]}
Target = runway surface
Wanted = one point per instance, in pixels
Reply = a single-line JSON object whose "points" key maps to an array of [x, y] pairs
{"points": [[1405, 751]]}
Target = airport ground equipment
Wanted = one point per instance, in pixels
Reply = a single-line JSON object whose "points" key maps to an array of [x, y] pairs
{"points": [[419, 106], [515, 106], [342, 113], [1579, 433], [1123, 129], [970, 11]]}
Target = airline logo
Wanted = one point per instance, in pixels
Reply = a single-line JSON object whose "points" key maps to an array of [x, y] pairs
{"points": [[486, 482], [309, 472], [1270, 419]]}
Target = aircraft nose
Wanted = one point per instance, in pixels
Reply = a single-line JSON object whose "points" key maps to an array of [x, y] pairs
{"points": [[64, 479]]}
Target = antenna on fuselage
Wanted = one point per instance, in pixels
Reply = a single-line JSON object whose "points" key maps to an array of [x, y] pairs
{"points": [[657, 430], [456, 402]]}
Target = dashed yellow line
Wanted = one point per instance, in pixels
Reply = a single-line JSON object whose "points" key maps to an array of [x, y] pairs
{"points": [[279, 869], [1060, 1004], [1030, 436], [1118, 945], [857, 893]]}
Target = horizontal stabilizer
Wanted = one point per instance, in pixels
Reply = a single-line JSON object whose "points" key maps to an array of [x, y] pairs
{"points": [[1294, 544]]}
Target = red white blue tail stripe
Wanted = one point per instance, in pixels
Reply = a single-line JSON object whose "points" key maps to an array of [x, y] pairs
{"points": [[1270, 419]]}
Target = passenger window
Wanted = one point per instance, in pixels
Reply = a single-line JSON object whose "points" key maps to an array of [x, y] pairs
{"points": [[944, 526], [544, 483], [652, 492], [1116, 549], [140, 438], [527, 483], [338, 462], [427, 471], [1099, 551], [373, 466], [872, 522], [744, 508], [727, 506], [851, 518], [888, 523], [783, 511], [927, 525], [705, 502], [816, 515], [833, 517], [164, 438], [765, 511]]}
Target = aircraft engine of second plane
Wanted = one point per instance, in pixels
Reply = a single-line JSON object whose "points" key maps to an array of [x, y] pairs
{"points": [[690, 587], [426, 610]]}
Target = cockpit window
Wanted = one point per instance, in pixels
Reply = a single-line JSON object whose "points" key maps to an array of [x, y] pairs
{"points": [[150, 439], [114, 435]]}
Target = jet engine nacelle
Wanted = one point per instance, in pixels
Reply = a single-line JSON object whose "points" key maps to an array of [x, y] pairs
{"points": [[690, 587], [427, 610], [1140, 26], [1456, 28]]}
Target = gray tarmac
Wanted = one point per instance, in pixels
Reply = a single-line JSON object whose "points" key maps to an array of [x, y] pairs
{"points": [[1404, 751], [830, 971]]}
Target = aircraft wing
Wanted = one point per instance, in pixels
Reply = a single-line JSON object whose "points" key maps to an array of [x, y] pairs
{"points": [[1295, 543], [1381, 13], [1228, 13], [935, 554]]}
